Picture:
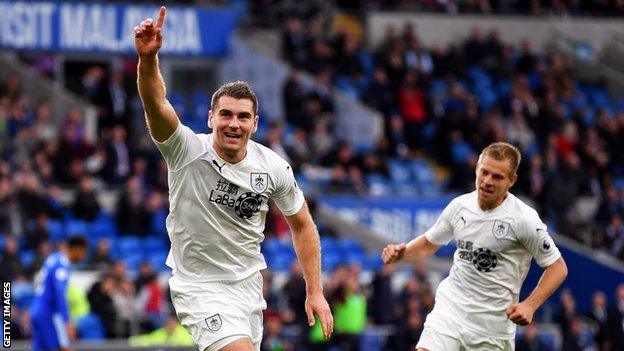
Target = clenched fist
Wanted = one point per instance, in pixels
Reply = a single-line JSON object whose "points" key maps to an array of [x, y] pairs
{"points": [[393, 253]]}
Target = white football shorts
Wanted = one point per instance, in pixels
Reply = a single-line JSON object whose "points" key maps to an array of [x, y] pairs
{"points": [[444, 332], [218, 313]]}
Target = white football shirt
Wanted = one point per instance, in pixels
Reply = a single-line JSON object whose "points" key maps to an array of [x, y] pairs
{"points": [[493, 256], [217, 209]]}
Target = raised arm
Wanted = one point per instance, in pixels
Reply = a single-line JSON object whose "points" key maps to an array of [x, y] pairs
{"points": [[161, 118], [416, 250], [308, 248]]}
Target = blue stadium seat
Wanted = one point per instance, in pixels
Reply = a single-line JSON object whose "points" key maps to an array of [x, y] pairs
{"points": [[378, 184], [328, 244], [158, 260], [330, 262], [279, 262], [350, 246], [23, 293], [155, 244], [56, 228], [399, 172], [103, 229], [273, 246], [158, 224], [76, 226], [128, 245], [358, 258], [460, 151], [27, 257], [90, 327], [372, 262], [133, 260]]}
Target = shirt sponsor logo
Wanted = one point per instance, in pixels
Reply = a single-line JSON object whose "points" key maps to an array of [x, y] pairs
{"points": [[245, 206], [484, 260]]}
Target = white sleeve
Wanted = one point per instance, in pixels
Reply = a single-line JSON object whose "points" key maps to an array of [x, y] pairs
{"points": [[288, 196], [535, 238], [182, 147], [441, 233]]}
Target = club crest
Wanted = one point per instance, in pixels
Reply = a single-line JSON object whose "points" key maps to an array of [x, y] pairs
{"points": [[500, 229], [214, 322], [259, 182]]}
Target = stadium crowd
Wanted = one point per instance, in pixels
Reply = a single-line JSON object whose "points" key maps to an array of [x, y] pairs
{"points": [[448, 102]]}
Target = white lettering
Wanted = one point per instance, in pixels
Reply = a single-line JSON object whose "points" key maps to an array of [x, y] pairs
{"points": [[393, 224], [72, 25], [183, 32], [46, 9], [6, 333]]}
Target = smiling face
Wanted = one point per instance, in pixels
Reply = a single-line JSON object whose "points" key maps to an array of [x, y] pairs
{"points": [[494, 178], [232, 121]]}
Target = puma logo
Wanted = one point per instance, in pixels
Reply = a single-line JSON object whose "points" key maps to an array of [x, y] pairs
{"points": [[219, 167]]}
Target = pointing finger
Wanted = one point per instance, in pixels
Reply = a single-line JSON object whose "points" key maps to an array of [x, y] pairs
{"points": [[161, 17]]}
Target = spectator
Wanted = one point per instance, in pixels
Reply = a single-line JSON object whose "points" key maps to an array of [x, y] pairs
{"points": [[599, 316], [615, 329], [146, 272], [117, 167], [382, 298], [11, 264], [101, 301], [575, 340], [100, 258], [567, 313], [39, 233], [530, 340], [349, 307], [131, 216], [172, 334], [125, 308], [150, 298], [86, 205]]}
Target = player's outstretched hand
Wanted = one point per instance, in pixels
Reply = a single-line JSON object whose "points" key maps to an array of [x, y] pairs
{"points": [[148, 36], [71, 331], [393, 253], [520, 313], [316, 304]]}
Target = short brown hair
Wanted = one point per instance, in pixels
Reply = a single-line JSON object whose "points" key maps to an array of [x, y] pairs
{"points": [[503, 151], [236, 90]]}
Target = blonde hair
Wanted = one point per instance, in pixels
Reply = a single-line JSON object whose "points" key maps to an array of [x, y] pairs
{"points": [[503, 151]]}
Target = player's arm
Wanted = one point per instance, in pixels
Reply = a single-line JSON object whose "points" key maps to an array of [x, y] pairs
{"points": [[553, 276], [308, 248], [416, 250], [61, 276], [161, 118]]}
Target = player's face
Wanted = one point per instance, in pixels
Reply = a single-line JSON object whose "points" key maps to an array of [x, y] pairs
{"points": [[494, 178], [78, 254], [232, 121]]}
